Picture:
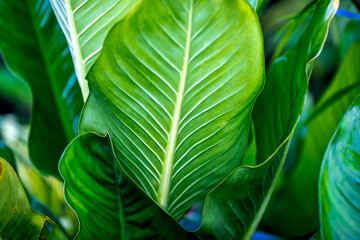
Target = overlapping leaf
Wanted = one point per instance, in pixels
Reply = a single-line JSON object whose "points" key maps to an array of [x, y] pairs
{"points": [[340, 180], [86, 24], [234, 208], [175, 86], [323, 122], [36, 51], [17, 219], [108, 204]]}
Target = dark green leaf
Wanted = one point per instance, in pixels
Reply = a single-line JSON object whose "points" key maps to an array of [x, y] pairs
{"points": [[258, 5], [340, 180], [17, 219], [107, 203], [6, 153], [234, 208], [35, 50], [14, 89], [302, 191]]}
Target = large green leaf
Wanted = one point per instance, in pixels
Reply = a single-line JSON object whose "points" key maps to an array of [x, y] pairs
{"points": [[118, 208], [300, 190], [234, 208], [36, 51], [175, 86], [340, 180], [17, 219], [86, 24]]}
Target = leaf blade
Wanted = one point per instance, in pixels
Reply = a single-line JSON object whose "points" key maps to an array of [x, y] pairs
{"points": [[339, 180], [17, 219], [126, 211], [319, 132], [275, 120], [31, 25], [163, 61]]}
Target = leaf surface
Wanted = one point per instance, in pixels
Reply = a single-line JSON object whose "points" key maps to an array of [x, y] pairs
{"points": [[86, 24], [234, 208], [321, 126], [340, 180], [175, 86], [17, 219], [36, 51], [118, 209]]}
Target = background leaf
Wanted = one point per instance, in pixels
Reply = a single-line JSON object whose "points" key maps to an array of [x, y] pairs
{"points": [[86, 24], [118, 208], [14, 89], [35, 50], [6, 153], [340, 180], [234, 208], [175, 86], [321, 124], [17, 219]]}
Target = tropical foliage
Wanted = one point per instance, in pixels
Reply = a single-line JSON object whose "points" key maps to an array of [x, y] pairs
{"points": [[189, 119]]}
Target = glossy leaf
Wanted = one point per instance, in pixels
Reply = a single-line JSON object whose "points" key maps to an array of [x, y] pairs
{"points": [[17, 219], [86, 24], [35, 50], [324, 120], [175, 86], [340, 180], [293, 29], [118, 208], [234, 208]]}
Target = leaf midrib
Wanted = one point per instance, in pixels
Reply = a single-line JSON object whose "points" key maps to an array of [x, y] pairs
{"points": [[79, 61], [165, 178]]}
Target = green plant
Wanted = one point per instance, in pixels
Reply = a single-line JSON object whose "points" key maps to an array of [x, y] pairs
{"points": [[177, 108]]}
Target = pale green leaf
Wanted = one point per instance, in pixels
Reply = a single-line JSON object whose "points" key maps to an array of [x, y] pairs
{"points": [[86, 24]]}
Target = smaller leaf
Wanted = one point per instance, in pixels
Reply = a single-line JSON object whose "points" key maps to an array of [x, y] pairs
{"points": [[17, 219], [340, 180], [234, 208], [302, 191], [118, 208]]}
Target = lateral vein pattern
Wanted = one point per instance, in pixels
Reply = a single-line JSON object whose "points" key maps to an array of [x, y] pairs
{"points": [[174, 86]]}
